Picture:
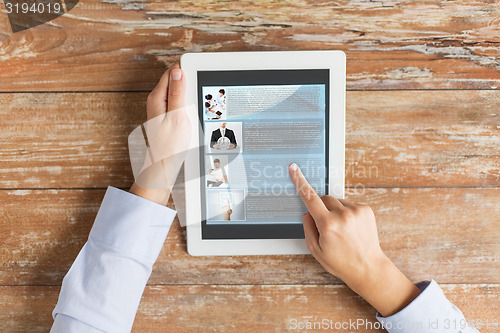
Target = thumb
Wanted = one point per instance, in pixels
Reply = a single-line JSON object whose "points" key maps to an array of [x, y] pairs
{"points": [[176, 89]]}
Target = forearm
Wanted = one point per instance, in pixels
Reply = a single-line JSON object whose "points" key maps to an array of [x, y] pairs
{"points": [[105, 283]]}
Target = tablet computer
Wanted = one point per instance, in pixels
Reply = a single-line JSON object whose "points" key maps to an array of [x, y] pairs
{"points": [[258, 112]]}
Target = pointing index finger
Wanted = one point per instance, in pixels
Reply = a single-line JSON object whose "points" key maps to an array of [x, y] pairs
{"points": [[308, 195]]}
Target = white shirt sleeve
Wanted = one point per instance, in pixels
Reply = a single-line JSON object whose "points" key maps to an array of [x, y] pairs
{"points": [[103, 288], [430, 312]]}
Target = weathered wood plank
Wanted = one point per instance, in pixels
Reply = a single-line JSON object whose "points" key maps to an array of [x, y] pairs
{"points": [[67, 140], [125, 45], [394, 138], [424, 138], [449, 234], [242, 308]]}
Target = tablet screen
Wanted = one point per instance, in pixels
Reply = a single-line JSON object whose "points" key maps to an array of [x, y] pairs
{"points": [[255, 124]]}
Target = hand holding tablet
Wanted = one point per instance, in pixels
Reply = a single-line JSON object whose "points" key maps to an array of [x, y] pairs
{"points": [[154, 180]]}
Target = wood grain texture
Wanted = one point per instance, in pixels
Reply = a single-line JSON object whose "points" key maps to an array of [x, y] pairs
{"points": [[426, 161], [394, 138], [449, 234], [242, 308], [113, 45]]}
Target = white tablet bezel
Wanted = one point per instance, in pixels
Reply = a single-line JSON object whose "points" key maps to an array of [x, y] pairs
{"points": [[191, 63]]}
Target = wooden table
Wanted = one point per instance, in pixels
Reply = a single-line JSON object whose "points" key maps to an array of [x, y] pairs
{"points": [[423, 126]]}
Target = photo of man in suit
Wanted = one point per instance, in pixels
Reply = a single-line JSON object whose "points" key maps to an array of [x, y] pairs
{"points": [[223, 138]]}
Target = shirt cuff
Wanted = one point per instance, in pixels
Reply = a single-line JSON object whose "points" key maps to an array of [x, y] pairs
{"points": [[131, 225], [429, 312]]}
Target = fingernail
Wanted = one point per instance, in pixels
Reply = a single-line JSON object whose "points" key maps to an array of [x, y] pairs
{"points": [[176, 74], [293, 167]]}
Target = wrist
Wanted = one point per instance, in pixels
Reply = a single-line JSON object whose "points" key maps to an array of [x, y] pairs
{"points": [[362, 277], [384, 286], [159, 196]]}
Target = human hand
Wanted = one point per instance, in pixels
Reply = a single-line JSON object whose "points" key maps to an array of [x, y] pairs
{"points": [[171, 135], [342, 237], [227, 211]]}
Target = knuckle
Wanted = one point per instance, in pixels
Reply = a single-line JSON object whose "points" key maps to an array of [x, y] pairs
{"points": [[364, 209], [347, 215], [357, 209], [367, 209], [330, 227], [175, 92], [309, 192], [324, 198]]}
